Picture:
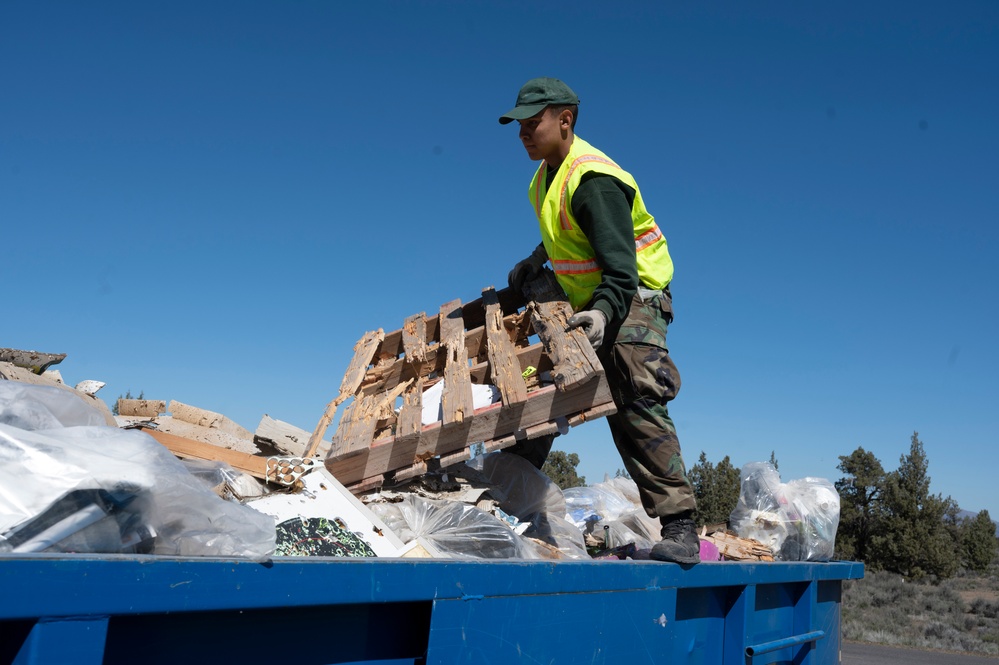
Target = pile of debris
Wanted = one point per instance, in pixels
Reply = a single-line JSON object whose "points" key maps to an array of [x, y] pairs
{"points": [[89, 481]]}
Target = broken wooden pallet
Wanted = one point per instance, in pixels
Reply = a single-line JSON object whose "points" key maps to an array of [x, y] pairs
{"points": [[381, 435]]}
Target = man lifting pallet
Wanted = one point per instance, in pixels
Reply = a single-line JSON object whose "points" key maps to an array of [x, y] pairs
{"points": [[611, 259]]}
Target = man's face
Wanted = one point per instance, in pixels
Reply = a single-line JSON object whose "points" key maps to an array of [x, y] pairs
{"points": [[542, 136]]}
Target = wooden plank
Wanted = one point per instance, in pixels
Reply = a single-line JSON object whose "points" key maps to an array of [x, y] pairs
{"points": [[734, 548], [597, 412], [474, 312], [414, 344], [338, 446], [479, 372], [34, 361], [529, 356], [357, 426], [541, 429], [389, 375], [506, 372], [209, 435], [188, 448], [489, 423], [456, 401], [205, 418], [368, 484], [285, 436], [570, 351], [410, 418], [410, 422], [499, 444], [414, 338], [459, 455], [421, 468], [364, 350], [394, 342], [149, 408]]}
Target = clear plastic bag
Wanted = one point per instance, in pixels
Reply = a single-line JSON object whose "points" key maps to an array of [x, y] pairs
{"points": [[525, 492], [517, 485], [796, 520], [454, 528], [32, 407], [611, 513], [88, 488], [595, 503]]}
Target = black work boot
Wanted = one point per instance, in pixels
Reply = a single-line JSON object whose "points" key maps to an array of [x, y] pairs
{"points": [[680, 543]]}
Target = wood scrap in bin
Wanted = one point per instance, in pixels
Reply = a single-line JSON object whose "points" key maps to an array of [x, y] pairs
{"points": [[146, 408], [734, 548], [285, 437], [190, 449]]}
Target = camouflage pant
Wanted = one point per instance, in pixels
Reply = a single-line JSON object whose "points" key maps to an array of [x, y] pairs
{"points": [[643, 379]]}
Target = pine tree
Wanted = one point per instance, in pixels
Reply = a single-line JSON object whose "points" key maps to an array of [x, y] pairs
{"points": [[860, 494], [716, 489], [915, 540], [561, 468], [978, 542]]}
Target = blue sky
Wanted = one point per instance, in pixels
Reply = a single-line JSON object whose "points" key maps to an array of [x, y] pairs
{"points": [[211, 202]]}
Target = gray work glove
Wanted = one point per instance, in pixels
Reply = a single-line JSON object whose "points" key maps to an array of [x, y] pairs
{"points": [[593, 322], [527, 269]]}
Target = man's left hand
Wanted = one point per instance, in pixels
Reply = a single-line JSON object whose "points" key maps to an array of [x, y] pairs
{"points": [[593, 322]]}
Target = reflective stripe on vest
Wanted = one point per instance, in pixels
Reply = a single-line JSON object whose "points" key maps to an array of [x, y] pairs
{"points": [[582, 267], [538, 198], [575, 267], [647, 238]]}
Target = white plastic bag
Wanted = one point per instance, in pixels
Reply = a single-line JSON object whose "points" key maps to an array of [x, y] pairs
{"points": [[87, 488], [454, 528], [797, 520]]}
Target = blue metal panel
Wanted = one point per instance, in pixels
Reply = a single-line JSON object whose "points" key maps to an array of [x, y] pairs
{"points": [[78, 640], [598, 628], [447, 611]]}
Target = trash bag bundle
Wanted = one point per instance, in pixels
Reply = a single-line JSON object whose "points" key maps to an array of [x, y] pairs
{"points": [[595, 503], [797, 520], [531, 496], [454, 528], [69, 483], [611, 513]]}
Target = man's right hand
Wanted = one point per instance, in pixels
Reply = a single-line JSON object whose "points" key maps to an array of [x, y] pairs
{"points": [[527, 269], [593, 322]]}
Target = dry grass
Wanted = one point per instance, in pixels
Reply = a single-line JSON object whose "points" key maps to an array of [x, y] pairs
{"points": [[959, 614]]}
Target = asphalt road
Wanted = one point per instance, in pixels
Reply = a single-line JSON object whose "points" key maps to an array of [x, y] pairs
{"points": [[855, 653]]}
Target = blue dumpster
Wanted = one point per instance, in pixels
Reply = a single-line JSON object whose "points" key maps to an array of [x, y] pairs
{"points": [[143, 609]]}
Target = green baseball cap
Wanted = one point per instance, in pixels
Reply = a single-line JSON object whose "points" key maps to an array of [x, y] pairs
{"points": [[536, 95]]}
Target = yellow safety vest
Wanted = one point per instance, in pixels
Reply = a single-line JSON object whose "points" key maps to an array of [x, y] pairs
{"points": [[570, 252]]}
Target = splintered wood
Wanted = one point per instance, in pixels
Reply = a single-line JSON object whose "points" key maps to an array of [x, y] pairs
{"points": [[734, 548], [382, 436]]}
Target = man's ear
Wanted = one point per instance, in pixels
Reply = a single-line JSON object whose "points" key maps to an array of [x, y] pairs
{"points": [[565, 119]]}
